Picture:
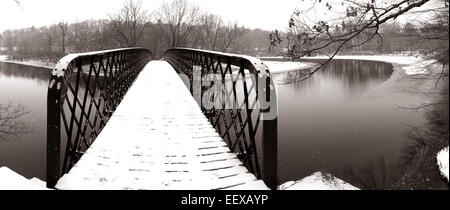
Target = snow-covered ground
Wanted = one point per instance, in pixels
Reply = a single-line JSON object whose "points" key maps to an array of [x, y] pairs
{"points": [[318, 181], [285, 66], [11, 180], [421, 67], [442, 159]]}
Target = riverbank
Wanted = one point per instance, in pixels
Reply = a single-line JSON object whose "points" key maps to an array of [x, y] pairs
{"points": [[418, 75], [409, 65], [424, 171], [318, 181], [34, 63], [277, 67], [11, 180]]}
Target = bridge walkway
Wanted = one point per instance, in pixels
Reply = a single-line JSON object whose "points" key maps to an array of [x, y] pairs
{"points": [[158, 139]]}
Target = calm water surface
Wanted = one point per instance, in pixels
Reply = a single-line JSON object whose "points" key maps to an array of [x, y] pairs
{"points": [[27, 86], [332, 123]]}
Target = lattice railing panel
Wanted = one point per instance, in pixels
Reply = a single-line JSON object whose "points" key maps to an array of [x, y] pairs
{"points": [[231, 82], [84, 91]]}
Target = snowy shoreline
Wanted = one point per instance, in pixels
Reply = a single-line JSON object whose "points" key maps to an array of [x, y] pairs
{"points": [[287, 66], [410, 65], [34, 63], [442, 159], [318, 181], [11, 180]]}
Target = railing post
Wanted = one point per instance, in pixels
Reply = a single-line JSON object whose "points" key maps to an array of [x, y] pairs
{"points": [[270, 144], [53, 131]]}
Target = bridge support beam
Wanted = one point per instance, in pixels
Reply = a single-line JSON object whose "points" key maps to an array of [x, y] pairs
{"points": [[53, 131], [270, 136], [270, 154]]}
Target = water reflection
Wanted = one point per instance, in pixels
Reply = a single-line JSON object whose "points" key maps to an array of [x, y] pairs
{"points": [[39, 75], [26, 88], [353, 77], [11, 124], [332, 123]]}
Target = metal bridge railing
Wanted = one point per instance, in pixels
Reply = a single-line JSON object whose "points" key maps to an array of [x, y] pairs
{"points": [[84, 91], [237, 95]]}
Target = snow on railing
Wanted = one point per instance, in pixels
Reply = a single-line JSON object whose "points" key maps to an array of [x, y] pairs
{"points": [[84, 90]]}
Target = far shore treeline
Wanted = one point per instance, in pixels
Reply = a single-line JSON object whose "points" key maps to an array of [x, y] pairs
{"points": [[133, 26]]}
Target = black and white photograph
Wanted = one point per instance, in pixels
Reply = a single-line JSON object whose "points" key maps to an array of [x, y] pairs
{"points": [[252, 96]]}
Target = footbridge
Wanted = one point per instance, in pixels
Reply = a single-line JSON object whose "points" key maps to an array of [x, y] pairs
{"points": [[194, 120]]}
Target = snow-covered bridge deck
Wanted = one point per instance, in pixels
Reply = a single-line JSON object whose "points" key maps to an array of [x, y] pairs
{"points": [[158, 138]]}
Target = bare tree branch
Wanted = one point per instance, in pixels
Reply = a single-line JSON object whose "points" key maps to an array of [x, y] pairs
{"points": [[176, 21], [354, 23], [10, 123], [129, 23]]}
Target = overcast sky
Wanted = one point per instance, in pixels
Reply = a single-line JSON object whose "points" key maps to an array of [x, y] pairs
{"points": [[264, 14]]}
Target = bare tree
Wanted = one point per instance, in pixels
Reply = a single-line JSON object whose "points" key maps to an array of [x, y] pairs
{"points": [[10, 123], [209, 26], [79, 36], [50, 31], [231, 32], [350, 23], [435, 29], [129, 23], [215, 34], [64, 28], [175, 22]]}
